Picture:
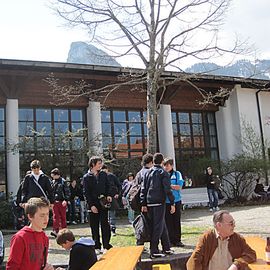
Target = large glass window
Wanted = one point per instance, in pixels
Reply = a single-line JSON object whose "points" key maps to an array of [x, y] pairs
{"points": [[124, 133], [55, 136], [195, 136]]}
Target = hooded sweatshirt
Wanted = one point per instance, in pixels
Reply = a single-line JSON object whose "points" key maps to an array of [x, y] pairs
{"points": [[28, 250], [82, 254]]}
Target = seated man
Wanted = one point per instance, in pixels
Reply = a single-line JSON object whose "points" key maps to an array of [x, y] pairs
{"points": [[221, 248], [82, 252], [259, 189]]}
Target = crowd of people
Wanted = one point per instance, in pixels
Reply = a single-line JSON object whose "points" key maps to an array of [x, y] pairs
{"points": [[154, 192]]}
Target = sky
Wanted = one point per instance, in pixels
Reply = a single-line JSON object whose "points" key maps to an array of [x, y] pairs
{"points": [[29, 29]]}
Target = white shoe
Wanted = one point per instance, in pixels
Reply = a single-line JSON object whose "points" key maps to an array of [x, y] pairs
{"points": [[217, 208], [98, 251], [211, 209]]}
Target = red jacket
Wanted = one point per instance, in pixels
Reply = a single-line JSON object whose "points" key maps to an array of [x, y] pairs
{"points": [[28, 250]]}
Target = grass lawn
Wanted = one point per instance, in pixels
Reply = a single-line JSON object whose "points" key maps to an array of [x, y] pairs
{"points": [[125, 235]]}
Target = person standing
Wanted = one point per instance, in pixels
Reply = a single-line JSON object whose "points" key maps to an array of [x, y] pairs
{"points": [[83, 209], [211, 190], [61, 194], [173, 221], [71, 204], [96, 191], [155, 187], [115, 191], [127, 183], [36, 184]]}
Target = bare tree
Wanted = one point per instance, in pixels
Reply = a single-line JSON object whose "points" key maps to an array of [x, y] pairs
{"points": [[159, 33]]}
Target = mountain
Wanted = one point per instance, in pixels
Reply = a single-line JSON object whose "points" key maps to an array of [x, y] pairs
{"points": [[83, 53], [242, 68]]}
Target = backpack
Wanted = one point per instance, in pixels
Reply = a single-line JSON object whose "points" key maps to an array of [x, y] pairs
{"points": [[141, 227], [133, 195]]}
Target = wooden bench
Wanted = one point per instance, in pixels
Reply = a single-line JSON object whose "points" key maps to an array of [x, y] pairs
{"points": [[194, 197], [120, 258], [258, 244]]}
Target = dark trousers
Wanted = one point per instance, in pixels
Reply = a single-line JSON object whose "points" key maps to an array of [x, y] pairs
{"points": [[100, 218], [71, 211], [173, 223], [158, 228]]}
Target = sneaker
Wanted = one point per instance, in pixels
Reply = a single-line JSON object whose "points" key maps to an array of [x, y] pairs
{"points": [[98, 251], [157, 255], [113, 230], [211, 209], [54, 234], [82, 221], [168, 252], [74, 222], [217, 208], [178, 244]]}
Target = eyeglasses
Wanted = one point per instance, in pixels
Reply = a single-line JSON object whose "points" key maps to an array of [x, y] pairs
{"points": [[231, 223]]}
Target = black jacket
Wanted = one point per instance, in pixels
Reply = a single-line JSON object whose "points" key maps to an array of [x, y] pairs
{"points": [[114, 185], [94, 186], [61, 190], [30, 188], [156, 186], [82, 257]]}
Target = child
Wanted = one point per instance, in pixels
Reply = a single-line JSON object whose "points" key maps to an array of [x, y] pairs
{"points": [[29, 246], [82, 252]]}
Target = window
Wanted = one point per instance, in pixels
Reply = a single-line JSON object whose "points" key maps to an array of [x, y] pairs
{"points": [[55, 135], [195, 136], [124, 133]]}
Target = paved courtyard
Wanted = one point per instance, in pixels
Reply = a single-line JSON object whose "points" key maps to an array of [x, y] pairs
{"points": [[250, 220]]}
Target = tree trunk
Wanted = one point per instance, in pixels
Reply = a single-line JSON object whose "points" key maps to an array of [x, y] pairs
{"points": [[151, 113]]}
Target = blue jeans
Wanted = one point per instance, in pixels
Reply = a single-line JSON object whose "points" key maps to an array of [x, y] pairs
{"points": [[112, 218], [213, 197]]}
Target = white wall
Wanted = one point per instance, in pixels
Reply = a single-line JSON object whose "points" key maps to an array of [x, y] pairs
{"points": [[264, 99], [239, 108], [228, 127]]}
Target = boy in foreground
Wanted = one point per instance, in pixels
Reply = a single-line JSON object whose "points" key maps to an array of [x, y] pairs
{"points": [[29, 246], [82, 252]]}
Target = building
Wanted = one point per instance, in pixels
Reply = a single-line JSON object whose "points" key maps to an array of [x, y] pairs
{"points": [[31, 126]]}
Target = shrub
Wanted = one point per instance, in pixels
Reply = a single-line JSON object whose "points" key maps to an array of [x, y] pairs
{"points": [[6, 216]]}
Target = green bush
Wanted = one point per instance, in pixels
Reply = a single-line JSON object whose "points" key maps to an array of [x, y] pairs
{"points": [[6, 216]]}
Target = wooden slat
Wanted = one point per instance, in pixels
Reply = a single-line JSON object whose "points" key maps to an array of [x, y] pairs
{"points": [[258, 244], [120, 258]]}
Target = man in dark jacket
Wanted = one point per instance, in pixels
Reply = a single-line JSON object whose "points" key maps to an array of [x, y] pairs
{"points": [[36, 184], [155, 187], [96, 191], [61, 194]]}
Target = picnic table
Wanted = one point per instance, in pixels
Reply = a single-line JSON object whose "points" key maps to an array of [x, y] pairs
{"points": [[120, 258], [258, 244]]}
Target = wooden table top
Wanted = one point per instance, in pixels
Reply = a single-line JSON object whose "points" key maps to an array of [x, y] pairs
{"points": [[120, 258], [258, 244]]}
